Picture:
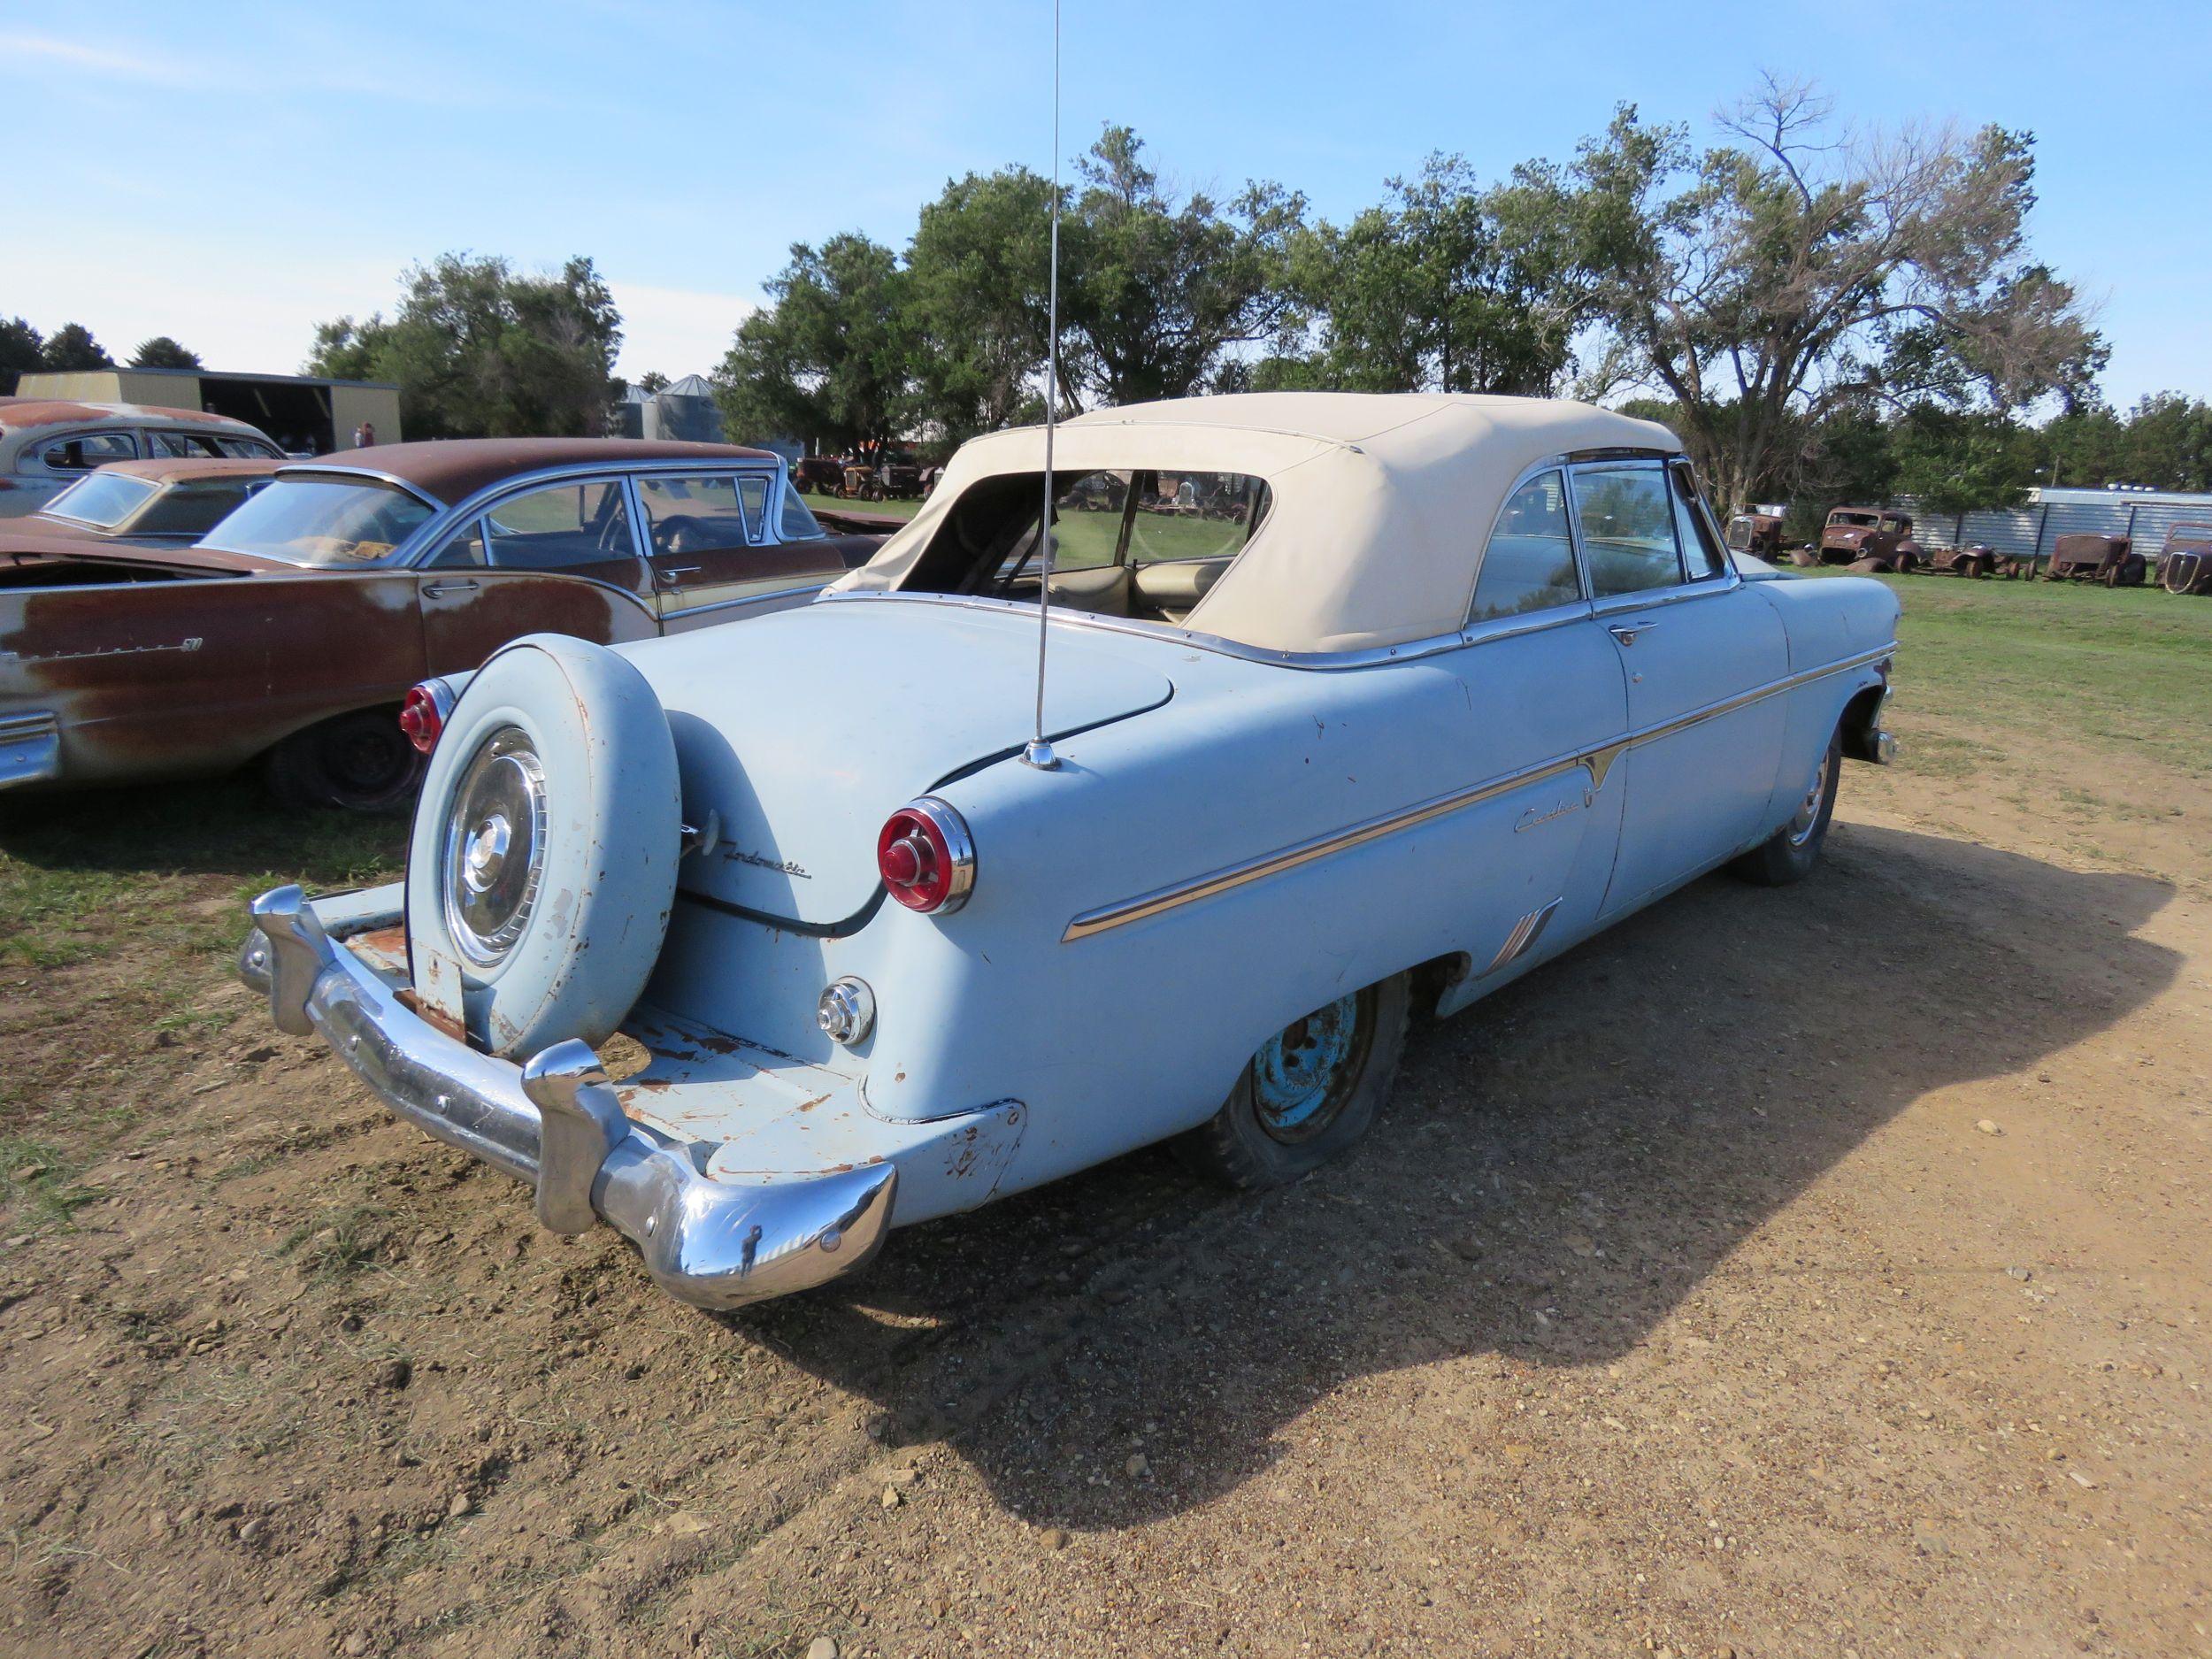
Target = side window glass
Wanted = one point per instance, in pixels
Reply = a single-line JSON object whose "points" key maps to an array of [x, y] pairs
{"points": [[684, 516], [93, 448], [1194, 515], [187, 446], [1627, 518], [752, 495], [1530, 563], [796, 522], [560, 527], [1701, 557], [464, 549], [1087, 520]]}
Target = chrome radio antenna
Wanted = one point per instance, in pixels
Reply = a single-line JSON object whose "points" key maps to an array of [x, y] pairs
{"points": [[1038, 753]]}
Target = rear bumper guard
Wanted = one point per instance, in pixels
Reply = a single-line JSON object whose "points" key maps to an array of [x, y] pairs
{"points": [[555, 1125]]}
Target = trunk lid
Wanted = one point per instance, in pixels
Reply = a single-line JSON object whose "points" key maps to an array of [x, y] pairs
{"points": [[803, 731]]}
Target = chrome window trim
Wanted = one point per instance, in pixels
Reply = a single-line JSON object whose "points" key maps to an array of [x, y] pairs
{"points": [[484, 499], [1597, 762], [1666, 593], [1560, 464], [36, 450]]}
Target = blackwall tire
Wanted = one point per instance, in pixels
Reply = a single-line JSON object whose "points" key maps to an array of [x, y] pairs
{"points": [[360, 762], [1789, 855], [1248, 1146], [543, 861]]}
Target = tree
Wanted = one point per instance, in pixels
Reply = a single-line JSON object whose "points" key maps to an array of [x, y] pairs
{"points": [[73, 347], [650, 382], [2169, 442], [479, 350], [1430, 292], [22, 349], [977, 272], [1154, 290], [162, 352], [1953, 461], [1794, 272], [829, 359]]}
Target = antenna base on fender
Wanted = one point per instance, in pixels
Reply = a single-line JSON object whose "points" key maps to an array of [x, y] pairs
{"points": [[1038, 753]]}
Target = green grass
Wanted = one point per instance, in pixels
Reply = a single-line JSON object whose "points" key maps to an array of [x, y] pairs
{"points": [[2130, 667]]}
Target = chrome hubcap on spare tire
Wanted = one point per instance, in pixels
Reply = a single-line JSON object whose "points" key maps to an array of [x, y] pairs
{"points": [[1303, 1076], [494, 847], [1808, 809]]}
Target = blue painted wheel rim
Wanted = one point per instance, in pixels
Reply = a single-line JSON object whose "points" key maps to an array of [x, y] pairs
{"points": [[1304, 1075]]}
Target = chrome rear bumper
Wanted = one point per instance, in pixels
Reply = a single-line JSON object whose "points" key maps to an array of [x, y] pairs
{"points": [[30, 748], [555, 1123]]}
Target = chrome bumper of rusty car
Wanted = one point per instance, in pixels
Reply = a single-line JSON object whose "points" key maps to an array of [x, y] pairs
{"points": [[555, 1123], [30, 748]]}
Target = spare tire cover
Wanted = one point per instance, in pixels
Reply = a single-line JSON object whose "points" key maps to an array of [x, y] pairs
{"points": [[543, 859]]}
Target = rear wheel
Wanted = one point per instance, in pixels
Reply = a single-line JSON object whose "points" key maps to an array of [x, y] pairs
{"points": [[1973, 568], [1803, 557], [361, 762], [1311, 1092], [1791, 852]]}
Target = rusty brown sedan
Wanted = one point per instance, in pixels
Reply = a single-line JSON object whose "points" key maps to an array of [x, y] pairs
{"points": [[290, 633]]}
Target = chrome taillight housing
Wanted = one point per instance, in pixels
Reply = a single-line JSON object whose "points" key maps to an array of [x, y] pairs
{"points": [[422, 714], [926, 857]]}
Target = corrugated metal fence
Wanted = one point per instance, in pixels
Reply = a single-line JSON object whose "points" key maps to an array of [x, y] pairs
{"points": [[2030, 531]]}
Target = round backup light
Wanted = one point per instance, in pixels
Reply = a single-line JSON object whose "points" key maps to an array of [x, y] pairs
{"points": [[926, 856], [846, 1011]]}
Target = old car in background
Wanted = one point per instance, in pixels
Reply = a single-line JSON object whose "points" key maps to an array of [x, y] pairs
{"points": [[1758, 533], [1475, 679], [47, 444], [1869, 539], [147, 504], [2185, 563], [2094, 558], [293, 631], [1974, 561]]}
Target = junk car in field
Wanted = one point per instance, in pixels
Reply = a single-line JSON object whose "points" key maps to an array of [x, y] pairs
{"points": [[2094, 557], [293, 631], [47, 444], [1869, 539], [1973, 561], [2185, 564], [1758, 533], [146, 504], [1470, 680]]}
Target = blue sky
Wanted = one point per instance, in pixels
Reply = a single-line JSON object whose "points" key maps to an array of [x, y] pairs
{"points": [[230, 174]]}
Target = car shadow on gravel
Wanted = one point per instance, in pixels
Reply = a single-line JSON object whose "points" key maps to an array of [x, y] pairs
{"points": [[1559, 1167]]}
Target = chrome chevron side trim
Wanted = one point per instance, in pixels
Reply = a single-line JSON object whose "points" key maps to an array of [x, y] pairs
{"points": [[1597, 762]]}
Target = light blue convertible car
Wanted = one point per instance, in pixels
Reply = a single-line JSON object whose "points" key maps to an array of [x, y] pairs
{"points": [[1355, 704]]}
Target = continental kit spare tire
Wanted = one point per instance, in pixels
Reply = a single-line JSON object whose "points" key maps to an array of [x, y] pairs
{"points": [[543, 859]]}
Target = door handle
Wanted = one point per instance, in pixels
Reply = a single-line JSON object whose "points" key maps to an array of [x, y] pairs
{"points": [[664, 571], [439, 590], [1626, 631]]}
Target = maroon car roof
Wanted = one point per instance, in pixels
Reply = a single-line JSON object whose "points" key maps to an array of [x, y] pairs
{"points": [[450, 469], [173, 469]]}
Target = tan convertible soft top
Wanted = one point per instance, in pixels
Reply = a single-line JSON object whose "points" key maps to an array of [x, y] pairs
{"points": [[1381, 500]]}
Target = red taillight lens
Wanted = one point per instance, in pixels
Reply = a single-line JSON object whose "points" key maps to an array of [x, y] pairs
{"points": [[421, 717], [926, 857]]}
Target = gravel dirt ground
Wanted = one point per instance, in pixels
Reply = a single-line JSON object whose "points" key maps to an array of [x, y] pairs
{"points": [[1819, 1272]]}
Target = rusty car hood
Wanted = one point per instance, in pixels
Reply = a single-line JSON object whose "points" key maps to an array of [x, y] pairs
{"points": [[803, 731]]}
